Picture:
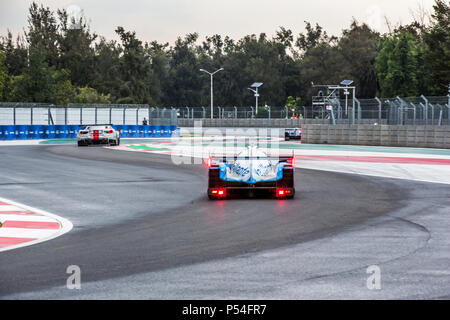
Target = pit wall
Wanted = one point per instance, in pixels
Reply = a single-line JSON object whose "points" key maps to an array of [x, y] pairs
{"points": [[370, 135], [264, 123], [378, 135], [25, 132]]}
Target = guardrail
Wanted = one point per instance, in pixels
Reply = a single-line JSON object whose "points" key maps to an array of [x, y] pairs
{"points": [[379, 135], [24, 132], [73, 114], [264, 123]]}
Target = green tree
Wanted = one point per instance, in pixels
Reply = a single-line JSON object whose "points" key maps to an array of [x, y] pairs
{"points": [[43, 32], [16, 53], [135, 70], [76, 51], [106, 72], [41, 83], [436, 54], [3, 74], [397, 65], [294, 106], [90, 95], [359, 47], [185, 80]]}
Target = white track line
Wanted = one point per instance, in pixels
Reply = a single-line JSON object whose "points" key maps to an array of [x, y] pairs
{"points": [[24, 217], [41, 234], [26, 233], [7, 207]]}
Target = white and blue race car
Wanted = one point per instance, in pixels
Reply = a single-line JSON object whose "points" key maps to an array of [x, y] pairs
{"points": [[251, 172], [292, 133]]}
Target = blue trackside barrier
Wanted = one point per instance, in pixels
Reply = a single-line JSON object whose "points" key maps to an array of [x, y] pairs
{"points": [[23, 132]]}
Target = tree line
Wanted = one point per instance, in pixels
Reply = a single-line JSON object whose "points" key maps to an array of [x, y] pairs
{"points": [[60, 60]]}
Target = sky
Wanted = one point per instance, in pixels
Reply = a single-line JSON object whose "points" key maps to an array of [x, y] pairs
{"points": [[165, 20]]}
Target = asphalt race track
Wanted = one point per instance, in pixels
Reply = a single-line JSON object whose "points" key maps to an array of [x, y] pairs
{"points": [[137, 214]]}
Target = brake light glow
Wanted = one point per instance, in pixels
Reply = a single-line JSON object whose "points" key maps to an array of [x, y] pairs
{"points": [[291, 161], [283, 192], [209, 162], [218, 192]]}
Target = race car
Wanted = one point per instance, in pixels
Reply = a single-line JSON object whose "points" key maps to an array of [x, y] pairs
{"points": [[293, 133], [98, 134], [251, 172]]}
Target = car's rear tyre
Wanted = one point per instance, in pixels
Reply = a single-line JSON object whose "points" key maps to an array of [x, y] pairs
{"points": [[81, 144]]}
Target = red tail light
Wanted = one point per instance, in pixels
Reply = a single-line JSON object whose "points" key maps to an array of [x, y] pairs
{"points": [[218, 192], [109, 131], [291, 161], [83, 132], [209, 162], [283, 192]]}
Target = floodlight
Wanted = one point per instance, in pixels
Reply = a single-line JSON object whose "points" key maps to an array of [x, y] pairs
{"points": [[256, 85], [347, 82]]}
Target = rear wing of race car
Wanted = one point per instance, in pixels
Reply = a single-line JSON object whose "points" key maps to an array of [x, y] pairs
{"points": [[96, 125], [214, 161]]}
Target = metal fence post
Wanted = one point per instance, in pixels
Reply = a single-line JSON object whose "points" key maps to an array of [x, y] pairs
{"points": [[440, 114], [123, 120], [81, 115], [31, 115], [448, 112], [426, 108], [415, 112], [432, 113], [379, 109], [400, 111], [14, 114], [353, 106], [359, 110]]}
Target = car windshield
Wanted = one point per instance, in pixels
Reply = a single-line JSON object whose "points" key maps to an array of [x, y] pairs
{"points": [[97, 127]]}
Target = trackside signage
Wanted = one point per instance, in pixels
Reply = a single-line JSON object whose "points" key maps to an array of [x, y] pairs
{"points": [[24, 132]]}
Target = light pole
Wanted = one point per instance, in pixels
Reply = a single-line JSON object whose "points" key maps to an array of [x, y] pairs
{"points": [[28, 51], [212, 99], [256, 85]]}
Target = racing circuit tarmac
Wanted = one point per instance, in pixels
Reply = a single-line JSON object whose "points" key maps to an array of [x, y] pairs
{"points": [[144, 228]]}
